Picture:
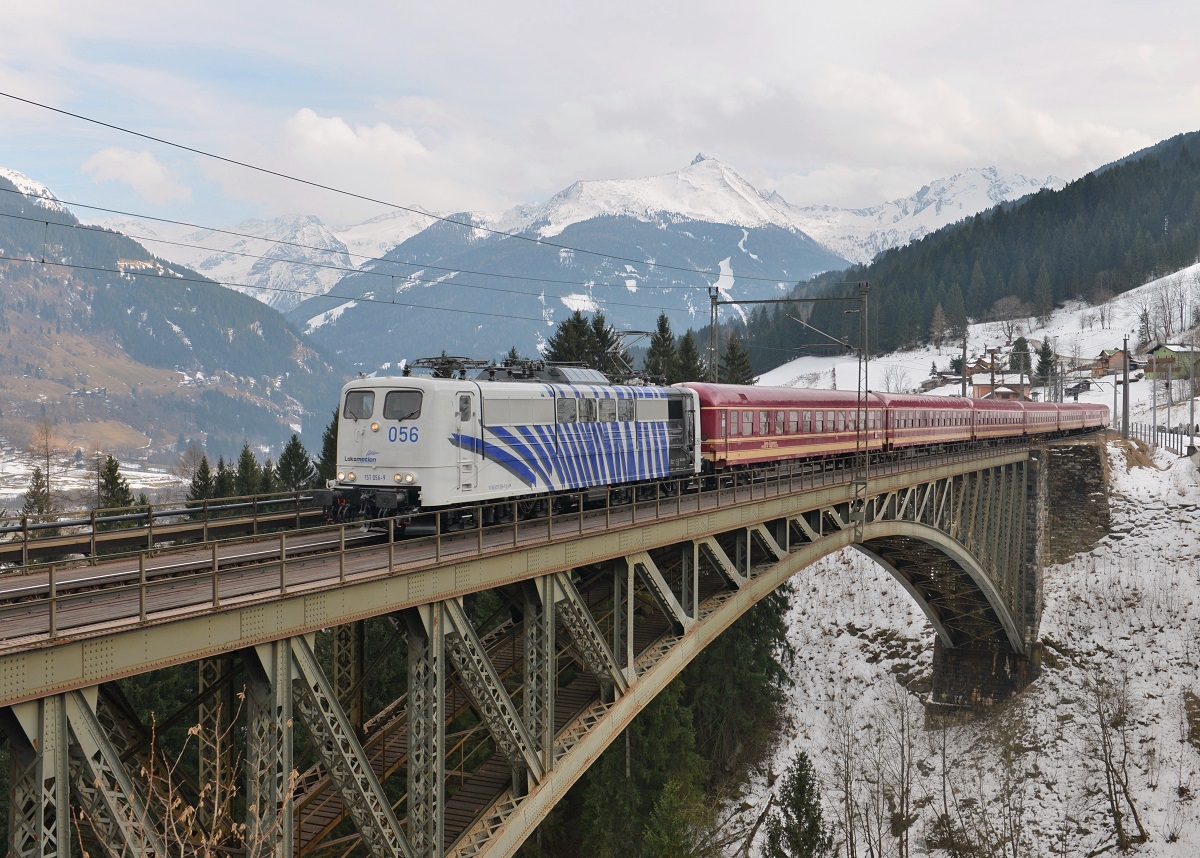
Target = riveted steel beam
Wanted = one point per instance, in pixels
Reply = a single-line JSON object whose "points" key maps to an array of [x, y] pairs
{"points": [[349, 649], [721, 562], [482, 684], [585, 634], [214, 737], [39, 813], [269, 771], [107, 794], [426, 728], [343, 756], [661, 590], [540, 666]]}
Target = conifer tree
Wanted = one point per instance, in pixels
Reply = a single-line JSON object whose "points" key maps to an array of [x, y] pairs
{"points": [[572, 342], [1045, 364], [661, 358], [114, 488], [327, 463], [939, 327], [247, 476], [795, 829], [37, 503], [295, 471], [1019, 360], [223, 485], [735, 363], [267, 480], [690, 366], [203, 486]]}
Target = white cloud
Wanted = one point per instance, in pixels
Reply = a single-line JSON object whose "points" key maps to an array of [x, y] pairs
{"points": [[141, 171]]}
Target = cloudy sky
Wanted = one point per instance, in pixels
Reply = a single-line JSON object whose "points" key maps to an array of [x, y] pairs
{"points": [[481, 106]]}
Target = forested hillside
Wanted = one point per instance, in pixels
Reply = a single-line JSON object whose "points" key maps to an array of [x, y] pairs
{"points": [[123, 347], [1101, 235]]}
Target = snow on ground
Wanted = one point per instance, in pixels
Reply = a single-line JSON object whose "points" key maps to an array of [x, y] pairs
{"points": [[1074, 329], [76, 487], [1125, 615]]}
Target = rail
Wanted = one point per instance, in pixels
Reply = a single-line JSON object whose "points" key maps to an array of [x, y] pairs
{"points": [[94, 532], [53, 602]]}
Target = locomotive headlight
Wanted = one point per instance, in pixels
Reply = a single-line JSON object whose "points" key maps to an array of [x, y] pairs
{"points": [[374, 427], [397, 477], [408, 478], [350, 476], [341, 475]]}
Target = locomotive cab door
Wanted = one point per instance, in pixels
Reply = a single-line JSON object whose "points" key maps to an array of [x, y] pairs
{"points": [[466, 411]]}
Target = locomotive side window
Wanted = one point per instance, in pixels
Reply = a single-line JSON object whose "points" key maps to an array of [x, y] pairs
{"points": [[402, 405], [587, 411], [464, 407], [566, 411], [608, 410], [674, 409], [359, 404], [624, 409]]}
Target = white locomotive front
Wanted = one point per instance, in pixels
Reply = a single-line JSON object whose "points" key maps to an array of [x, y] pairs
{"points": [[413, 443]]}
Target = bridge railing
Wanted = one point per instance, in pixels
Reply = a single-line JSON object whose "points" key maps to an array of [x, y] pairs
{"points": [[66, 599], [1177, 440]]}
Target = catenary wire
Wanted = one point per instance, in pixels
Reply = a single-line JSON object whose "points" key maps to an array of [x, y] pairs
{"points": [[208, 281], [523, 278], [408, 278], [364, 198]]}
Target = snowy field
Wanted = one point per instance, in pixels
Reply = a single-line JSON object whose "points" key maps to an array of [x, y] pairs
{"points": [[1121, 629], [76, 487]]}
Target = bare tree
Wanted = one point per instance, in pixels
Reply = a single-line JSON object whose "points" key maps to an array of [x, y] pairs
{"points": [[1110, 724], [895, 379], [1008, 313]]}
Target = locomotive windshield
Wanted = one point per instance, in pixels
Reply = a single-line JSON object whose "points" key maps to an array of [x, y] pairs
{"points": [[402, 405], [359, 404]]}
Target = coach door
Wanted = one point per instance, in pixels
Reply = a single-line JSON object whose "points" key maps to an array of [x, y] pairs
{"points": [[468, 457]]}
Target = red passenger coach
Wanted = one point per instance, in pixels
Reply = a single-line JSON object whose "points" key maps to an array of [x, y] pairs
{"points": [[913, 420], [752, 425], [995, 418], [1041, 418]]}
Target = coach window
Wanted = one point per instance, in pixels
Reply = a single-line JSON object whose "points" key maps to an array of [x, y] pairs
{"points": [[734, 423], [764, 423], [851, 421], [359, 404], [793, 422], [779, 424], [566, 411], [402, 405], [820, 424], [587, 411], [608, 410], [829, 421], [806, 424], [841, 424], [747, 422]]}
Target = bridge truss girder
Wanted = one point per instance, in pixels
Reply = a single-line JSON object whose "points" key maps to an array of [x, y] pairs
{"points": [[958, 544]]}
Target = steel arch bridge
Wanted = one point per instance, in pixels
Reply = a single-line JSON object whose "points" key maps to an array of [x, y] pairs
{"points": [[603, 609]]}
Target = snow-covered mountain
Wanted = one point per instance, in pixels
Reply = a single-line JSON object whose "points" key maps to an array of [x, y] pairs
{"points": [[860, 234], [705, 191], [37, 193]]}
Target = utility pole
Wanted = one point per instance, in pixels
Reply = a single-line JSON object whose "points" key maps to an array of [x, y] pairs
{"points": [[1192, 397], [962, 370], [713, 338], [1125, 391], [1154, 396]]}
